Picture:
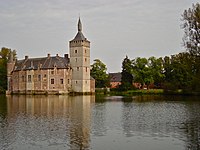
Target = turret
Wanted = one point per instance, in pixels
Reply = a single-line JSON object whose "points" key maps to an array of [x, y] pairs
{"points": [[10, 67]]}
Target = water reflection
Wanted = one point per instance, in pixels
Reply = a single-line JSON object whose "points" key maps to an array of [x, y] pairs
{"points": [[89, 122], [57, 121], [170, 116], [99, 119], [3, 106]]}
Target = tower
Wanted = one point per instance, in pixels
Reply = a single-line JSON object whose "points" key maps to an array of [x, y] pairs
{"points": [[80, 61], [10, 67]]}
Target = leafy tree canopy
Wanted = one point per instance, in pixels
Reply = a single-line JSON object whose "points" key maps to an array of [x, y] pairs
{"points": [[143, 73], [191, 39], [5, 54], [191, 26], [98, 72], [127, 76]]}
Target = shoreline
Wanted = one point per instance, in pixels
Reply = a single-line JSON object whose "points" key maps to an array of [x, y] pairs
{"points": [[146, 92]]}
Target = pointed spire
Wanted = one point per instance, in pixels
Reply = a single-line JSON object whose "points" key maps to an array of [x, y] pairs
{"points": [[79, 25]]}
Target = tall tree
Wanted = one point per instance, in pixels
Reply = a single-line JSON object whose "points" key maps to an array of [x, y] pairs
{"points": [[156, 67], [4, 56], [98, 72], [191, 26], [178, 71], [127, 76], [143, 74]]}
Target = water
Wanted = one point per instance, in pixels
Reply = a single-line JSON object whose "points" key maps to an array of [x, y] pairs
{"points": [[97, 123]]}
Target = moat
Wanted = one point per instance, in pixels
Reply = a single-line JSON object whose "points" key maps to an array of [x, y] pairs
{"points": [[92, 122]]}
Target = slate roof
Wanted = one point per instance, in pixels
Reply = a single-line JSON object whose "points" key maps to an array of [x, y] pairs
{"points": [[91, 78], [79, 36], [42, 63], [115, 77]]}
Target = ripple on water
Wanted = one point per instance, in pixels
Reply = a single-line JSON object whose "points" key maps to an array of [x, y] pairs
{"points": [[107, 124]]}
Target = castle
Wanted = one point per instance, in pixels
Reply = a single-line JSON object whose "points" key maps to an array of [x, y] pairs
{"points": [[53, 74]]}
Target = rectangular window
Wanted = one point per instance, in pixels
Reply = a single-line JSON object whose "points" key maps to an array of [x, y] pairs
{"points": [[52, 81], [86, 69], [45, 77], [75, 51], [52, 71], [61, 81], [77, 68], [23, 79], [68, 81], [29, 78], [39, 77]]}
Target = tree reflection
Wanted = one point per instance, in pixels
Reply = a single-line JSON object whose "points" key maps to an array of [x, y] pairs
{"points": [[3, 107], [191, 127], [176, 118]]}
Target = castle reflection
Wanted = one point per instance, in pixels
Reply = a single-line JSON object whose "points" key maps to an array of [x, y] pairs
{"points": [[55, 117]]}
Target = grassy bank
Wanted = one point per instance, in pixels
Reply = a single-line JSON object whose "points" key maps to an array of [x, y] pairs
{"points": [[144, 92], [130, 92], [138, 92]]}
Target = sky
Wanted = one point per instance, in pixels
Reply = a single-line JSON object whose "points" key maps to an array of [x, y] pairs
{"points": [[116, 28]]}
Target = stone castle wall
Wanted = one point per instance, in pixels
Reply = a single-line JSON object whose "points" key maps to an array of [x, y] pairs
{"points": [[41, 81]]}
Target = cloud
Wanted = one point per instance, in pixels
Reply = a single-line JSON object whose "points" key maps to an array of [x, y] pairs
{"points": [[130, 27]]}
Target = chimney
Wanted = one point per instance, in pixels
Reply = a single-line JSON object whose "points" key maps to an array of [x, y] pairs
{"points": [[11, 57], [26, 57]]}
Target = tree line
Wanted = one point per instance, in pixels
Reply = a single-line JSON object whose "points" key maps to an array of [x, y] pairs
{"points": [[171, 73]]}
